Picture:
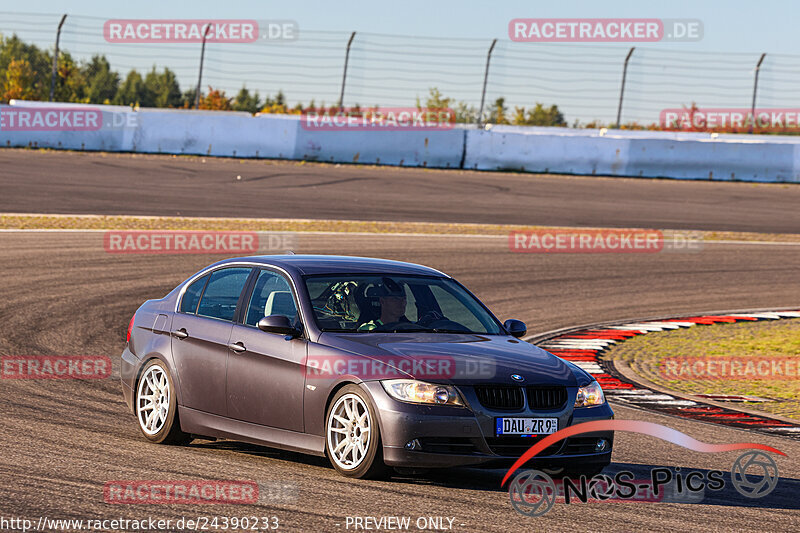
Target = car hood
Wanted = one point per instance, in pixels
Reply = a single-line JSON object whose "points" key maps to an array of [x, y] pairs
{"points": [[457, 358]]}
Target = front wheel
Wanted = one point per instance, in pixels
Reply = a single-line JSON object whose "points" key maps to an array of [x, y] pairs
{"points": [[352, 436], [156, 406]]}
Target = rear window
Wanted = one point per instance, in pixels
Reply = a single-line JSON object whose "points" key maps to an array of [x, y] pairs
{"points": [[191, 297]]}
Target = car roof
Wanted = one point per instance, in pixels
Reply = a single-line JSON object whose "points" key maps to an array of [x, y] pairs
{"points": [[338, 264]]}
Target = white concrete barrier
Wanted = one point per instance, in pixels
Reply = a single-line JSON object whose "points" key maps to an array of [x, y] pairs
{"points": [[681, 155], [768, 158], [414, 148], [728, 160], [112, 131], [215, 133], [233, 134], [562, 152]]}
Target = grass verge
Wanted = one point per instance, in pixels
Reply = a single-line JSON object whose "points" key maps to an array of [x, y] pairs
{"points": [[19, 221], [648, 356]]}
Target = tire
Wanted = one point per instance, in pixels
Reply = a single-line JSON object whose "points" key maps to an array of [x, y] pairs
{"points": [[155, 380], [344, 435]]}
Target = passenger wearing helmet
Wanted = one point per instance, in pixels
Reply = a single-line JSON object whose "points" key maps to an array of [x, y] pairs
{"points": [[392, 300]]}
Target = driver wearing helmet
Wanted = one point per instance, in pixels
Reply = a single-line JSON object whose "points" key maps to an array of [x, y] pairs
{"points": [[392, 300]]}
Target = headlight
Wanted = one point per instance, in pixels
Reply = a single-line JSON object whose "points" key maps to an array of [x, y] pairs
{"points": [[409, 390], [590, 395]]}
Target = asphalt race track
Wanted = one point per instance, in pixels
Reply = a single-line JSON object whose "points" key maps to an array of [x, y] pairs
{"points": [[64, 439], [62, 294], [73, 182]]}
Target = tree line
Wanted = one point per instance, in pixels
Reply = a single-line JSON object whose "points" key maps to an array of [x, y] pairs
{"points": [[25, 74]]}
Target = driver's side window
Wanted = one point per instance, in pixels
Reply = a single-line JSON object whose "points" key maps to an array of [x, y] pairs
{"points": [[272, 295]]}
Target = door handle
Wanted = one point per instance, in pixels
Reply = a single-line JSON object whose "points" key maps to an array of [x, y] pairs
{"points": [[180, 333], [237, 347]]}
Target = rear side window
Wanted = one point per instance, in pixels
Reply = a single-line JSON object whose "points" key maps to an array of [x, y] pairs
{"points": [[222, 293], [271, 296], [191, 297]]}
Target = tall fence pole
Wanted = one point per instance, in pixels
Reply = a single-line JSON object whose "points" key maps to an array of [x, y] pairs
{"points": [[755, 89], [344, 73], [622, 88], [200, 76], [485, 80], [55, 59]]}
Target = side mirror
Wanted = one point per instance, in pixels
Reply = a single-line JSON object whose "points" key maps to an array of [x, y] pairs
{"points": [[278, 324], [515, 328]]}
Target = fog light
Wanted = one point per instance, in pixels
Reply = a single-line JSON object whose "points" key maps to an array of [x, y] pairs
{"points": [[601, 445], [413, 445]]}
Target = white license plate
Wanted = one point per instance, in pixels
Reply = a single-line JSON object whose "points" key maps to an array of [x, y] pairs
{"points": [[522, 427]]}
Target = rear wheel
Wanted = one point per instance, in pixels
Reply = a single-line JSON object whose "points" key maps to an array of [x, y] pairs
{"points": [[352, 436], [156, 406]]}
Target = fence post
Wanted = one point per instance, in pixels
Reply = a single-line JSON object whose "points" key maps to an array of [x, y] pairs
{"points": [[55, 59], [622, 88], [200, 76], [344, 73], [755, 88], [485, 79]]}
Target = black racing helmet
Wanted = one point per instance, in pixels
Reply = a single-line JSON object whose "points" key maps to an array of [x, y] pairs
{"points": [[386, 288]]}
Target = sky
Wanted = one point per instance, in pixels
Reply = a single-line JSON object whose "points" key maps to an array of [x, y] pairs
{"points": [[582, 79], [730, 25]]}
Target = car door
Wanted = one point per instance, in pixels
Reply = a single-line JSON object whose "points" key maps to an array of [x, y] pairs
{"points": [[201, 331], [265, 375]]}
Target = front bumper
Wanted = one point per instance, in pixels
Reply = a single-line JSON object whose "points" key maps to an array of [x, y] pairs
{"points": [[458, 436]]}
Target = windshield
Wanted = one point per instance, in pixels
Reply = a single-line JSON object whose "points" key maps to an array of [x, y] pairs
{"points": [[379, 303]]}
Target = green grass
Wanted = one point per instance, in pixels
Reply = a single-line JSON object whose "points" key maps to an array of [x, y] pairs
{"points": [[20, 221], [747, 340]]}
